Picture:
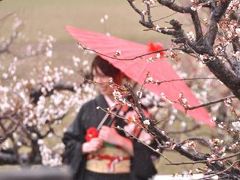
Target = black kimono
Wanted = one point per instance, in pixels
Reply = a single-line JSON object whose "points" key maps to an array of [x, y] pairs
{"points": [[88, 116]]}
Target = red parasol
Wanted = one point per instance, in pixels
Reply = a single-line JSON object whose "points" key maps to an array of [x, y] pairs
{"points": [[115, 50]]}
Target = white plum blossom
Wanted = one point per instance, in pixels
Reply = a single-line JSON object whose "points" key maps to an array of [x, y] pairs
{"points": [[236, 125], [146, 122], [49, 53]]}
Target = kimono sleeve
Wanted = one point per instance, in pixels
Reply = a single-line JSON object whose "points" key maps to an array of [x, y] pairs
{"points": [[73, 139], [143, 166]]}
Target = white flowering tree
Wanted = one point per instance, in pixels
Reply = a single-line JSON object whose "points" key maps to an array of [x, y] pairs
{"points": [[210, 39], [32, 108]]}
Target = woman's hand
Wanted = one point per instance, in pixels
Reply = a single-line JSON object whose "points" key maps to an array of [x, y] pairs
{"points": [[145, 137], [141, 134], [129, 129], [92, 146], [109, 135]]}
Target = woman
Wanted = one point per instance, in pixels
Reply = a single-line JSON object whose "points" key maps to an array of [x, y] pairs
{"points": [[110, 154]]}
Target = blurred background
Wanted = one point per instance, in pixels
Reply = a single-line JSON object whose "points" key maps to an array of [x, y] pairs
{"points": [[47, 19], [51, 17]]}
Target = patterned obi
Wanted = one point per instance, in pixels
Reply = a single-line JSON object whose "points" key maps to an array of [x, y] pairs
{"points": [[109, 159]]}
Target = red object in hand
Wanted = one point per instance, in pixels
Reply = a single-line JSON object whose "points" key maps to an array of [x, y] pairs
{"points": [[92, 132]]}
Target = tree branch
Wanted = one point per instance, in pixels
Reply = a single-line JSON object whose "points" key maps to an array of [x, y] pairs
{"points": [[209, 103], [216, 15], [36, 93], [173, 6]]}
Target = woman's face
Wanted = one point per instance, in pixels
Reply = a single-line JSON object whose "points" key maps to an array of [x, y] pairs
{"points": [[102, 81]]}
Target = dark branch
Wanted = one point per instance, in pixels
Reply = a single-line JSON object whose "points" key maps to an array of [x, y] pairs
{"points": [[197, 26], [35, 94], [216, 15]]}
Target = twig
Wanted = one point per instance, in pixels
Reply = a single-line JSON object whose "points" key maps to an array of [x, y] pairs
{"points": [[165, 17], [197, 126], [180, 79], [6, 16], [125, 59], [156, 151], [209, 103], [221, 172], [205, 161]]}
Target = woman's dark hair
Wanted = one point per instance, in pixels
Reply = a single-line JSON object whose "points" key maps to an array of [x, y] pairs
{"points": [[107, 68]]}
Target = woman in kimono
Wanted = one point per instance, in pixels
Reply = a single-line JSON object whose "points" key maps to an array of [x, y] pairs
{"points": [[107, 154]]}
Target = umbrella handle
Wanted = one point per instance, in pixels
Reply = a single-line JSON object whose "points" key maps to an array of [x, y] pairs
{"points": [[118, 110]]}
